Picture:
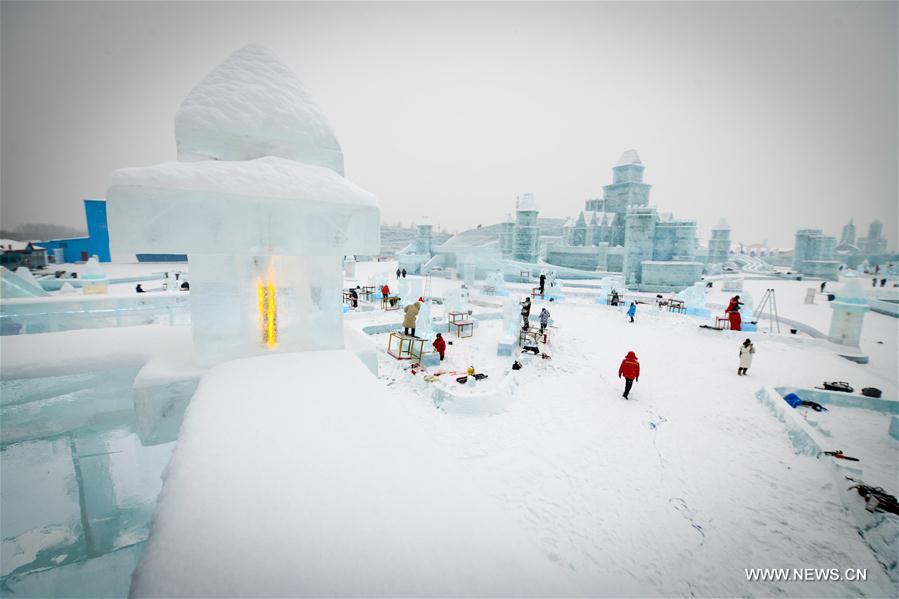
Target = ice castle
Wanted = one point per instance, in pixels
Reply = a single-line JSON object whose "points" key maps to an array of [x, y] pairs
{"points": [[617, 233], [621, 232], [258, 202], [871, 248]]}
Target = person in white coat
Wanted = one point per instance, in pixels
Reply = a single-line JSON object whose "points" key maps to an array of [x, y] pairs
{"points": [[747, 350]]}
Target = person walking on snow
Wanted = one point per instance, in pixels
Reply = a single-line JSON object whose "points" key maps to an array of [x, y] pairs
{"points": [[404, 273], [544, 319], [630, 370], [823, 285], [747, 350], [631, 311], [735, 320], [397, 274], [542, 282], [526, 313], [409, 319], [440, 346]]}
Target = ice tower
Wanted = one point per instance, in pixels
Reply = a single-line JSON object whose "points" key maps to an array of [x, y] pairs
{"points": [[527, 233], [627, 190], [258, 202], [719, 243], [849, 309]]}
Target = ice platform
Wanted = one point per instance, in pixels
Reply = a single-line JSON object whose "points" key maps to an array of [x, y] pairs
{"points": [[297, 475]]}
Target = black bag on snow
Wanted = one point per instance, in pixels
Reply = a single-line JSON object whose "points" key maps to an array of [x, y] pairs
{"points": [[871, 392], [838, 386]]}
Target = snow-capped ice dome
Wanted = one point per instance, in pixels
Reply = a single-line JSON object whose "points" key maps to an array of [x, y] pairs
{"points": [[629, 157], [251, 106], [527, 202], [853, 292]]}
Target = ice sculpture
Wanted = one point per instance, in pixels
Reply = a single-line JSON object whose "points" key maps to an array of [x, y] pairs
{"points": [[694, 300], [511, 318], [18, 284], [258, 202], [497, 281], [94, 277], [424, 325], [456, 300], [693, 297]]}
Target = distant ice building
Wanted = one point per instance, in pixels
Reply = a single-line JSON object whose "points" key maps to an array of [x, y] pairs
{"points": [[620, 232], [813, 254], [617, 233], [258, 202], [813, 251]]}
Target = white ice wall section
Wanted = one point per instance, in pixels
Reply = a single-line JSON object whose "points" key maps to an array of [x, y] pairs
{"points": [[225, 304], [265, 206]]}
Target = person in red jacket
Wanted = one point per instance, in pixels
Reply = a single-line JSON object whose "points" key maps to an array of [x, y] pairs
{"points": [[734, 304], [440, 346], [735, 320], [630, 370]]}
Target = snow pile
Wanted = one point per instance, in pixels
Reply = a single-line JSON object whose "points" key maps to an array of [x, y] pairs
{"points": [[295, 475], [251, 106]]}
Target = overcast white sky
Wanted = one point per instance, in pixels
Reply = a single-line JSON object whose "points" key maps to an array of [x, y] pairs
{"points": [[773, 115]]}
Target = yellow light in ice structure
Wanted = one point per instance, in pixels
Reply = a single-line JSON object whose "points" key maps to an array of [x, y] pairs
{"points": [[268, 315]]}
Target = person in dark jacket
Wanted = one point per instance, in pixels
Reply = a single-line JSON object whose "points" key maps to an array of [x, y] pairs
{"points": [[139, 289], [544, 319], [542, 282], [630, 370], [397, 273], [355, 298], [404, 273], [526, 314], [440, 346], [185, 286], [823, 285]]}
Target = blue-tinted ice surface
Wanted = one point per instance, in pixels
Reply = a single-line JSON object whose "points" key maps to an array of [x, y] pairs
{"points": [[77, 488]]}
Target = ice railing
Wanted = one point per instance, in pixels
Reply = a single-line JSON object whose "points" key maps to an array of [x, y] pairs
{"points": [[67, 313]]}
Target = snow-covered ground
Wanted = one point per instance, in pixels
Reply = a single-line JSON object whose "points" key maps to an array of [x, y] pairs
{"points": [[674, 492]]}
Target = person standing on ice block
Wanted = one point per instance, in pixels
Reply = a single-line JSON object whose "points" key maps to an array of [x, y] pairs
{"points": [[409, 319], [440, 346], [734, 304], [630, 370], [747, 350], [526, 314], [632, 311], [735, 320]]}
